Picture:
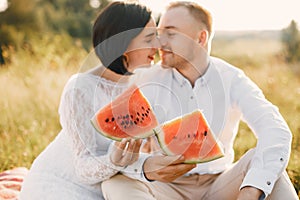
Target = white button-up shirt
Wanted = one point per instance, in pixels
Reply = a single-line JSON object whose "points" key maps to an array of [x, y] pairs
{"points": [[225, 95]]}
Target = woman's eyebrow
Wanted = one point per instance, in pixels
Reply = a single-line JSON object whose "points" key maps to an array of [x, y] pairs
{"points": [[150, 35]]}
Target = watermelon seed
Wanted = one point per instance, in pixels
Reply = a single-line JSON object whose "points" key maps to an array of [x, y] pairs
{"points": [[142, 118], [123, 117], [135, 122], [131, 123], [138, 113], [127, 122], [125, 126], [146, 114], [137, 119], [107, 120], [112, 119], [122, 123], [189, 135], [143, 108], [147, 111], [127, 116], [143, 114], [195, 135], [205, 133], [131, 116]]}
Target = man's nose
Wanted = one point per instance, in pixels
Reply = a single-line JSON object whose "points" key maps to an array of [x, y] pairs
{"points": [[162, 40]]}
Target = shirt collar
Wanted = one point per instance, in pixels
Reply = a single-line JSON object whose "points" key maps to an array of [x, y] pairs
{"points": [[179, 77], [202, 79]]}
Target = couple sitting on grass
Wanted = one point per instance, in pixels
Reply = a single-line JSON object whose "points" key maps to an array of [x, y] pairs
{"points": [[82, 164]]}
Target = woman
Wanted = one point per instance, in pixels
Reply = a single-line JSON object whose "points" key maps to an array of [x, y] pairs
{"points": [[77, 161]]}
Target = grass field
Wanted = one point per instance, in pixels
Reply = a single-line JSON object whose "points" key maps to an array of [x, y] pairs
{"points": [[259, 56], [31, 84]]}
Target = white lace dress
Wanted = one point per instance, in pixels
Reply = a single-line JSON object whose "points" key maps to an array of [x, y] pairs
{"points": [[75, 163]]}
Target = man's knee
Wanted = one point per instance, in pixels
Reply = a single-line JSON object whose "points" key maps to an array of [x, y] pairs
{"points": [[283, 189], [118, 181], [122, 187]]}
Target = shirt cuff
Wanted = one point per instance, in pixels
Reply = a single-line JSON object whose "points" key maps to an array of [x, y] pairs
{"points": [[135, 170], [107, 161], [260, 179]]}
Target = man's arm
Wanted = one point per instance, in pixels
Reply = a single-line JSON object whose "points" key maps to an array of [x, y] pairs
{"points": [[274, 137]]}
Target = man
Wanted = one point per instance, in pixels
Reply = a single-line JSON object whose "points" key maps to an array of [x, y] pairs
{"points": [[192, 79]]}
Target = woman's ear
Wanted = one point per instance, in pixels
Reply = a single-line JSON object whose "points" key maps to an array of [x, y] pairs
{"points": [[126, 60]]}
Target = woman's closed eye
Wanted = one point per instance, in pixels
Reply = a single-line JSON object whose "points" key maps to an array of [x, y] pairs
{"points": [[150, 38]]}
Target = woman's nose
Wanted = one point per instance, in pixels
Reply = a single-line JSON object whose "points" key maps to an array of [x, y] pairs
{"points": [[156, 43]]}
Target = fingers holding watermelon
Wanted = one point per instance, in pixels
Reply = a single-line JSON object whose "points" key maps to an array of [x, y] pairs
{"points": [[125, 152], [166, 168]]}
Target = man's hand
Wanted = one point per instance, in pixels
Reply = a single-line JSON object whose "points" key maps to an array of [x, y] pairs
{"points": [[249, 193], [166, 168], [125, 152]]}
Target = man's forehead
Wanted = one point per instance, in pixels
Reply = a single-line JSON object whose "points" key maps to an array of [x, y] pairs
{"points": [[174, 18]]}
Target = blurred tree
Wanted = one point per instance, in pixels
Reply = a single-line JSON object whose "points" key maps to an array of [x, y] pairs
{"points": [[2, 62], [17, 22], [291, 41], [23, 21], [72, 17]]}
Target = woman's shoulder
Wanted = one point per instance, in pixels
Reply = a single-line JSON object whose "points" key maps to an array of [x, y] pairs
{"points": [[81, 81], [89, 83]]}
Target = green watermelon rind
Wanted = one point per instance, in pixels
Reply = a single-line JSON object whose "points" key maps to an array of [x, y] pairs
{"points": [[190, 161], [121, 99], [158, 131], [160, 137], [164, 147], [142, 136]]}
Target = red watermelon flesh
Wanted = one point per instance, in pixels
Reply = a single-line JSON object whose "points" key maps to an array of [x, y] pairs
{"points": [[189, 136], [128, 116]]}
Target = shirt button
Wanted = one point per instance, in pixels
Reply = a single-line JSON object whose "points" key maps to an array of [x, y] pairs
{"points": [[268, 183], [202, 82], [281, 159], [135, 170], [192, 97]]}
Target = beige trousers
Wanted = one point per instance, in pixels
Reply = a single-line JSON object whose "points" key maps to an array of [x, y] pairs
{"points": [[224, 186]]}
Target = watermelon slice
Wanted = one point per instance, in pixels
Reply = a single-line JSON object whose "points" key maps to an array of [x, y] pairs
{"points": [[189, 136], [128, 116]]}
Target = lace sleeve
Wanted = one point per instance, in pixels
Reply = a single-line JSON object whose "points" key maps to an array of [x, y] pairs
{"points": [[91, 164]]}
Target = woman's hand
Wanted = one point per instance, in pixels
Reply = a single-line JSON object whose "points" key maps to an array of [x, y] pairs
{"points": [[125, 152], [150, 146]]}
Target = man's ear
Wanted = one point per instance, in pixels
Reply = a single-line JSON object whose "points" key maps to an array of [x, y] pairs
{"points": [[203, 37]]}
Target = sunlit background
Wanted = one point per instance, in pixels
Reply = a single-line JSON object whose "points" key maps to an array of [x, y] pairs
{"points": [[42, 43], [3, 5], [244, 15], [233, 14]]}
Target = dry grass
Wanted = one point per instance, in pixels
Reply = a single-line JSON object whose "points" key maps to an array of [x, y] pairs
{"points": [[280, 82], [31, 86]]}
